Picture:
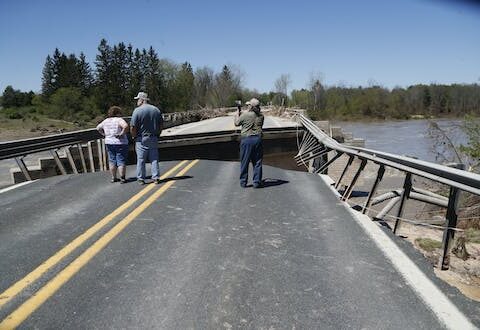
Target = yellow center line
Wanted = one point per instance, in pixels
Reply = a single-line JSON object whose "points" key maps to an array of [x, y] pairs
{"points": [[34, 302], [12, 291]]}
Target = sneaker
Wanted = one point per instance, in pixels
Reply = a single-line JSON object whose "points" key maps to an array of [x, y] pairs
{"points": [[141, 181], [114, 180], [257, 185], [123, 180]]}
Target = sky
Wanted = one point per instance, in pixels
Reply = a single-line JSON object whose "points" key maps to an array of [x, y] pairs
{"points": [[343, 42]]}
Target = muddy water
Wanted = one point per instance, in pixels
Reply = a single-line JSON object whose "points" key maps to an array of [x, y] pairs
{"points": [[403, 137]]}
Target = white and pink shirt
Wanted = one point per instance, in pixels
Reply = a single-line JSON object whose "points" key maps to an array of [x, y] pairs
{"points": [[112, 127]]}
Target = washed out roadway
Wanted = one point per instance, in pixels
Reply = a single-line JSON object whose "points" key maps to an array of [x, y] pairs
{"points": [[205, 254]]}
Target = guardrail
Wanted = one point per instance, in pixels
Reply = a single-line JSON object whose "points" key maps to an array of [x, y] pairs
{"points": [[316, 145]]}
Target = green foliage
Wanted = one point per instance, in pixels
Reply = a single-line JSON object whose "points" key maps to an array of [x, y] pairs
{"points": [[472, 130], [68, 103], [472, 235], [380, 103], [428, 244], [15, 98]]}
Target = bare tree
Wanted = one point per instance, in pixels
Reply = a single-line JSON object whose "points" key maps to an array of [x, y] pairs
{"points": [[281, 86], [318, 90]]}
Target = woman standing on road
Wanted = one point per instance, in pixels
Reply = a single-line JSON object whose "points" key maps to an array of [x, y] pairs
{"points": [[115, 129]]}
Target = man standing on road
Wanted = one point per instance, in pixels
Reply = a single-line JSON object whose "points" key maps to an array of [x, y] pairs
{"points": [[251, 145], [146, 126]]}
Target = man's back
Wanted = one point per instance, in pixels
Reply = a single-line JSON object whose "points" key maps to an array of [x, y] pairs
{"points": [[148, 120]]}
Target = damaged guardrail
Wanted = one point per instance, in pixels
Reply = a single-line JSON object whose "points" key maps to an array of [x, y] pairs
{"points": [[316, 145]]}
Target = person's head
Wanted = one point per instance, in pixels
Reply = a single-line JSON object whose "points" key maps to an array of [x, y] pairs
{"points": [[114, 111], [141, 98], [253, 105]]}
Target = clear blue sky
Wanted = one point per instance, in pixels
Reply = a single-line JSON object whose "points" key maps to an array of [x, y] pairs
{"points": [[350, 42]]}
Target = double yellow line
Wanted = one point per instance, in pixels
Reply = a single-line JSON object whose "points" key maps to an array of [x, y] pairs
{"points": [[34, 302]]}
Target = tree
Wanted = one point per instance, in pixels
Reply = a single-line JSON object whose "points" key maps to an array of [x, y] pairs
{"points": [[9, 97], [227, 87], [48, 77], [281, 87], [185, 87], [85, 76], [472, 148], [203, 85]]}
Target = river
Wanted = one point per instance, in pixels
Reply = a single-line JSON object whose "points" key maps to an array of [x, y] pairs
{"points": [[403, 137]]}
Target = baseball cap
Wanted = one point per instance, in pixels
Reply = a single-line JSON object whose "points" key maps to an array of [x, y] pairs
{"points": [[253, 102], [141, 95]]}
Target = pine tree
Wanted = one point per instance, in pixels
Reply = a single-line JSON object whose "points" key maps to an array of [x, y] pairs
{"points": [[48, 78]]}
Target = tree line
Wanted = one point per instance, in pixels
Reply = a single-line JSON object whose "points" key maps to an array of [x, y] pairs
{"points": [[377, 102], [75, 90]]}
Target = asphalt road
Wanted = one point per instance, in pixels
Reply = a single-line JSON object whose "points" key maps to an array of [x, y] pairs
{"points": [[224, 124], [197, 251]]}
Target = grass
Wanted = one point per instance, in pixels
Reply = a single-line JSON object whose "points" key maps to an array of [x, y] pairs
{"points": [[472, 235], [29, 125], [428, 244]]}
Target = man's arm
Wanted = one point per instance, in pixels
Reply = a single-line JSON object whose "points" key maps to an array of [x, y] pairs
{"points": [[133, 130], [133, 125], [238, 119]]}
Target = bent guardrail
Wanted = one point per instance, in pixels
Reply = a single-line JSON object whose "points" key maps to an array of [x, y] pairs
{"points": [[316, 145]]}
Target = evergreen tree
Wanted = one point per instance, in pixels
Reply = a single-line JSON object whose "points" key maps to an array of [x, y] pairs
{"points": [[85, 76], [185, 87], [48, 77]]}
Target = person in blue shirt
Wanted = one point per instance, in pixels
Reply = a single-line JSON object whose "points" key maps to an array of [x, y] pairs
{"points": [[146, 125]]}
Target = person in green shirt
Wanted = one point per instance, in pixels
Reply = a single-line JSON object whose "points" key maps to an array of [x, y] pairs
{"points": [[251, 145]]}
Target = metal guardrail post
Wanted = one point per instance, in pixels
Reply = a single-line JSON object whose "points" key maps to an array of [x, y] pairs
{"points": [[90, 156], [100, 155], [82, 157], [70, 160], [104, 153], [60, 166], [325, 166], [23, 167], [380, 173], [407, 187], [350, 161], [348, 191], [451, 217], [449, 233]]}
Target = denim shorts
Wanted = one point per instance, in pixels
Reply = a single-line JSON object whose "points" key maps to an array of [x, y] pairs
{"points": [[117, 154]]}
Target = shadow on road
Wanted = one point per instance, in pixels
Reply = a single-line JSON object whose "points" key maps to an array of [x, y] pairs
{"points": [[174, 178], [272, 182]]}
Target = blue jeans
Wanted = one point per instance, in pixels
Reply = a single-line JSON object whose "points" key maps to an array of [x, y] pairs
{"points": [[251, 150], [117, 154], [147, 150]]}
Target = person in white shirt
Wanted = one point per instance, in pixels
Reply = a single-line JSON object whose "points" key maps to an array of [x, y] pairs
{"points": [[115, 129]]}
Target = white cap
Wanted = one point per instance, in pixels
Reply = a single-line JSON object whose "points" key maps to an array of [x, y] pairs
{"points": [[253, 102], [142, 96]]}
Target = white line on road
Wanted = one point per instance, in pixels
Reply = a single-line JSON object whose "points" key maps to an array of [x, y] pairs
{"points": [[439, 304], [16, 186]]}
